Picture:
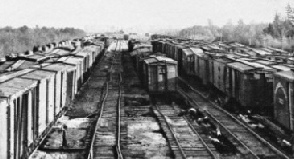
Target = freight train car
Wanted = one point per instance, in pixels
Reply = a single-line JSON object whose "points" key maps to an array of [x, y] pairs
{"points": [[220, 73], [283, 98], [19, 117], [160, 74], [31, 99], [241, 83]]}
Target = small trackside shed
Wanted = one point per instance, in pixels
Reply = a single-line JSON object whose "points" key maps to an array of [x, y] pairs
{"points": [[160, 74], [19, 123], [283, 98]]}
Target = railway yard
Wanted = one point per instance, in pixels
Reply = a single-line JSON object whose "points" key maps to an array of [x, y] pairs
{"points": [[103, 97]]}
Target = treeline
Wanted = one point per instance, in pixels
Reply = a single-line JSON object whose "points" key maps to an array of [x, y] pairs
{"points": [[16, 40], [279, 33]]}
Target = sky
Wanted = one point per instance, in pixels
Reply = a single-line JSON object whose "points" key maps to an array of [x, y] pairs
{"points": [[104, 15]]}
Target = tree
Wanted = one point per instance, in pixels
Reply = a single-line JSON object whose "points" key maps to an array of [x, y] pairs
{"points": [[290, 13]]}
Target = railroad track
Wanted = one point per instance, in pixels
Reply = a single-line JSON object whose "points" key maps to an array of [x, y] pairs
{"points": [[184, 140], [249, 144], [106, 139]]}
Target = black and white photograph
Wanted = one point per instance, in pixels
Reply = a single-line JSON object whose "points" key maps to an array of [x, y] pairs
{"points": [[147, 79]]}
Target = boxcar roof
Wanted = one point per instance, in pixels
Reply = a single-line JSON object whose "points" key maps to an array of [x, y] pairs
{"points": [[36, 57], [74, 60], [247, 59], [224, 60], [39, 74], [281, 67], [59, 67], [240, 67], [6, 76], [287, 75], [156, 59], [3, 101], [16, 86], [257, 65], [266, 62], [60, 51], [82, 54], [197, 51], [261, 52], [26, 64], [7, 64], [187, 51]]}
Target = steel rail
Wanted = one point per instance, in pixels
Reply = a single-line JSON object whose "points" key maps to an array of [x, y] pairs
{"points": [[173, 133], [271, 147]]}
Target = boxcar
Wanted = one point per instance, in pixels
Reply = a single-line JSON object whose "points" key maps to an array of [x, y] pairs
{"points": [[80, 70], [197, 53], [19, 120], [169, 47], [178, 56], [241, 83], [45, 95], [160, 74], [138, 54], [173, 50], [188, 61], [65, 84], [220, 73], [283, 98], [155, 44]]}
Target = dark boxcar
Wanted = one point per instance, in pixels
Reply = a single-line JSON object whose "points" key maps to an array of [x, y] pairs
{"points": [[179, 52], [241, 83], [197, 53], [19, 117], [155, 44], [160, 74], [126, 37], [188, 61], [283, 98], [168, 51], [173, 50], [220, 73], [141, 51], [263, 85]]}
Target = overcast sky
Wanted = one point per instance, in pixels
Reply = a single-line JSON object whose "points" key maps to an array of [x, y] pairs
{"points": [[91, 14]]}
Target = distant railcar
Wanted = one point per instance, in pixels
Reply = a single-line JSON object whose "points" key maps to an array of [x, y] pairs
{"points": [[160, 74], [126, 37], [201, 67], [188, 61], [179, 57], [155, 45]]}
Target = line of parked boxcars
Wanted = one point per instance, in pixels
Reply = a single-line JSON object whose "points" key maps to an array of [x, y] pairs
{"points": [[35, 87], [250, 78]]}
